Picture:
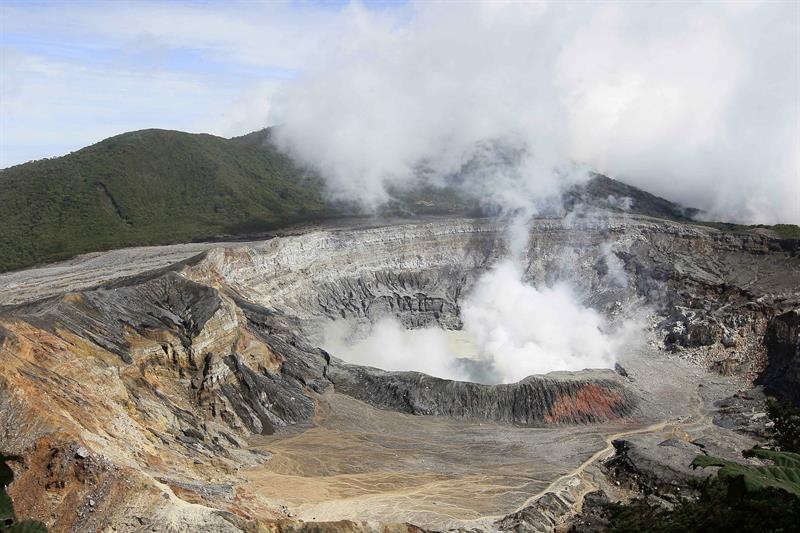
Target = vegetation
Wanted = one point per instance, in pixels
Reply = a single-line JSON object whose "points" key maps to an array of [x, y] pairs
{"points": [[745, 480], [786, 429], [782, 231], [8, 519], [150, 187], [768, 510], [643, 203], [742, 498]]}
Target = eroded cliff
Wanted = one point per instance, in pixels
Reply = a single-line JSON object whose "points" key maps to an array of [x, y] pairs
{"points": [[156, 383]]}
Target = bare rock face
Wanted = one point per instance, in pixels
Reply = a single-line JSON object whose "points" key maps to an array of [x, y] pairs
{"points": [[782, 374], [714, 292], [158, 376], [542, 515], [596, 396], [124, 394], [415, 272], [656, 467]]}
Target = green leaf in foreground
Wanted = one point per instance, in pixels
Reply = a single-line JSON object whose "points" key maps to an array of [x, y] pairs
{"points": [[7, 516], [6, 474], [28, 526], [784, 474]]}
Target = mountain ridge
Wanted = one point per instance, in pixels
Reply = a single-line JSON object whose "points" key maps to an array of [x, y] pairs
{"points": [[155, 186]]}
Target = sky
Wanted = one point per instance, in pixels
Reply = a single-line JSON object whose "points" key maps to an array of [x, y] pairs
{"points": [[697, 102]]}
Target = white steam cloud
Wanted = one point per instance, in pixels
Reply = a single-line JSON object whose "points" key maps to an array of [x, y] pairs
{"points": [[515, 101], [517, 331], [523, 330], [697, 102], [390, 346]]}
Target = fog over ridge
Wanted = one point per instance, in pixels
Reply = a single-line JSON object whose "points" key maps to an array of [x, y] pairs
{"points": [[697, 103]]}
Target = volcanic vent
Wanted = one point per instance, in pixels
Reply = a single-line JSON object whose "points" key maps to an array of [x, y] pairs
{"points": [[446, 299]]}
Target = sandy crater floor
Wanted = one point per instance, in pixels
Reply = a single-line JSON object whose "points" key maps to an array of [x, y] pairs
{"points": [[440, 473], [380, 465]]}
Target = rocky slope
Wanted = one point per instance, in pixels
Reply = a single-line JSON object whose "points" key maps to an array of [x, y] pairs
{"points": [[782, 341], [137, 401]]}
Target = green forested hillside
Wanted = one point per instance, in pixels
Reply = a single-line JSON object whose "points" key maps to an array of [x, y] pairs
{"points": [[149, 187]]}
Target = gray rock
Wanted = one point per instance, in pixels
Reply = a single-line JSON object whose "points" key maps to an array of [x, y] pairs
{"points": [[194, 433], [662, 467]]}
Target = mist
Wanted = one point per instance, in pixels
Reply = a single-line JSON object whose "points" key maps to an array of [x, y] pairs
{"points": [[515, 102], [389, 346], [694, 102], [516, 330]]}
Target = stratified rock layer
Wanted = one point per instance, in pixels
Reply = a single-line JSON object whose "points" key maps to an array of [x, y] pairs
{"points": [[147, 382]]}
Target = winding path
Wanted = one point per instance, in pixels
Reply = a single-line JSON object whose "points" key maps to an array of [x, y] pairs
{"points": [[562, 484]]}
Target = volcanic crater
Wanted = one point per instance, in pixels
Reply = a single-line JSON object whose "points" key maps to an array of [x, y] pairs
{"points": [[186, 387]]}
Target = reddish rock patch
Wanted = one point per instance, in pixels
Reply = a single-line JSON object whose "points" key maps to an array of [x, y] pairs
{"points": [[590, 403]]}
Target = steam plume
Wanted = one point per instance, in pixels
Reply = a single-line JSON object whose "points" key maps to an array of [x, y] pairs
{"points": [[695, 102], [518, 330], [519, 101]]}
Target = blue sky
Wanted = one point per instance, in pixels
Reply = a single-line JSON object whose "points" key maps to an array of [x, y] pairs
{"points": [[74, 73]]}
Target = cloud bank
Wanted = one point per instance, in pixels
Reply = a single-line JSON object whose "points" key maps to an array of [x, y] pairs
{"points": [[521, 100], [694, 102]]}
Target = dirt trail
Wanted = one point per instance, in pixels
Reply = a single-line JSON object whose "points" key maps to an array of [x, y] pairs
{"points": [[695, 420]]}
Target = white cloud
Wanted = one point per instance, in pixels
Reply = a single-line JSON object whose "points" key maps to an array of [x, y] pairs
{"points": [[76, 73], [67, 106], [279, 34], [695, 102]]}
